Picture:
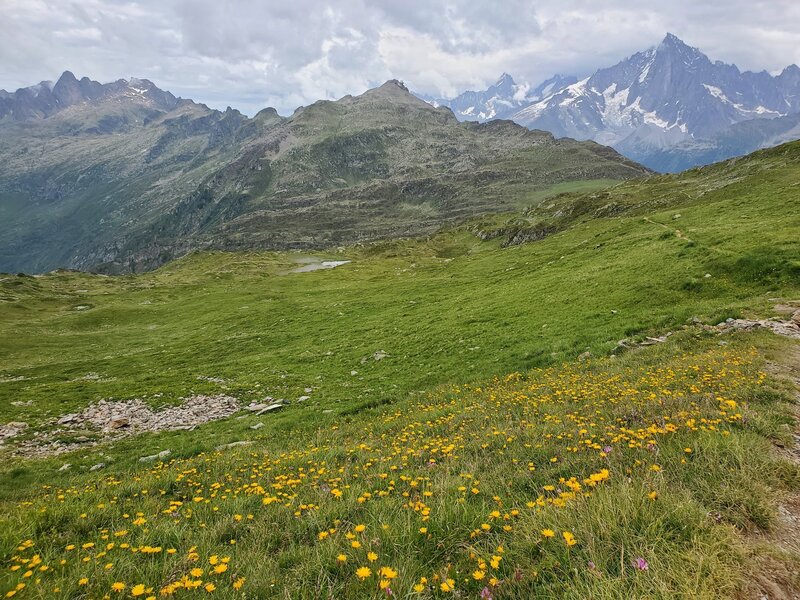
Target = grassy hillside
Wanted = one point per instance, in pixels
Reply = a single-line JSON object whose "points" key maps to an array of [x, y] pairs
{"points": [[424, 414]]}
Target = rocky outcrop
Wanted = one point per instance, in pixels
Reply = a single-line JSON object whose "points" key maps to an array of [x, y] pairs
{"points": [[790, 328], [109, 420]]}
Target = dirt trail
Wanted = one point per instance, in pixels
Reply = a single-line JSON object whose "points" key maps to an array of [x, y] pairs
{"points": [[780, 579]]}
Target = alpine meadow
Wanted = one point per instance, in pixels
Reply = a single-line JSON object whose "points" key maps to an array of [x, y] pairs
{"points": [[400, 345]]}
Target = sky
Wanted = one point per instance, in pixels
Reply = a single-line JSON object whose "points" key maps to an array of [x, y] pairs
{"points": [[285, 54]]}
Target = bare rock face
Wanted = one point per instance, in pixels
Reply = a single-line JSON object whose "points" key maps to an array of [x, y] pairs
{"points": [[795, 319]]}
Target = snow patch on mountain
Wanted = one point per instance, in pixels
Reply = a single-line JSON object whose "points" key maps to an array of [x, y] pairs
{"points": [[499, 100]]}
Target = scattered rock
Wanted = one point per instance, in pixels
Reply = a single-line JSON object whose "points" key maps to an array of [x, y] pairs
{"points": [[97, 467], [257, 407], [308, 390], [353, 373], [160, 456], [622, 345], [257, 426], [12, 429], [585, 355], [379, 355], [234, 444], [303, 398], [89, 377], [65, 467], [649, 341], [122, 419], [270, 408], [119, 423], [785, 328], [795, 318]]}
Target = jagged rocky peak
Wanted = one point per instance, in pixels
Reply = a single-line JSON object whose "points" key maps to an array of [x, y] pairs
{"points": [[673, 42], [267, 113], [505, 83], [46, 99], [791, 75], [68, 90]]}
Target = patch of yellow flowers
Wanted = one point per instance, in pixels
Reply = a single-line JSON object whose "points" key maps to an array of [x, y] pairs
{"points": [[415, 464]]}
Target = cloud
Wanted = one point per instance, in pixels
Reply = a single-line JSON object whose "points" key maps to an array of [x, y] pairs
{"points": [[259, 53]]}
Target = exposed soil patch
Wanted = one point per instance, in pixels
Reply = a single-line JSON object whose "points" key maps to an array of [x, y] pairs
{"points": [[780, 579]]}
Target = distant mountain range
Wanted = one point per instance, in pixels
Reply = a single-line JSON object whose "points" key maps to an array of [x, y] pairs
{"points": [[669, 107], [47, 98], [124, 176], [500, 100]]}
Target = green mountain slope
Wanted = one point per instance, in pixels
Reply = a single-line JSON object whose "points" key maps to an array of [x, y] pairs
{"points": [[445, 308], [121, 183], [418, 451]]}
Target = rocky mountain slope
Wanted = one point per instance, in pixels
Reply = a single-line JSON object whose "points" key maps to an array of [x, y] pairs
{"points": [[125, 177]]}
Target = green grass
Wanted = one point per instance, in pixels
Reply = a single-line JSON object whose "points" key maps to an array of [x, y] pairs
{"points": [[592, 185], [471, 466], [449, 310]]}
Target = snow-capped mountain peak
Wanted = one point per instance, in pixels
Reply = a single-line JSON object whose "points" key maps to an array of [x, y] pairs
{"points": [[667, 95]]}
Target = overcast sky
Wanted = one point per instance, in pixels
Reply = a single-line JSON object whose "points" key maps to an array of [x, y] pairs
{"points": [[252, 54]]}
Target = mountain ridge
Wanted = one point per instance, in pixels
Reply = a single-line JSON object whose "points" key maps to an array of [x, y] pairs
{"points": [[47, 98], [500, 100], [124, 178]]}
